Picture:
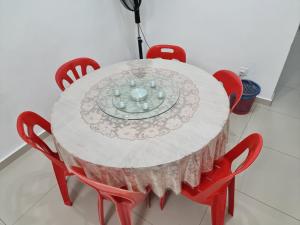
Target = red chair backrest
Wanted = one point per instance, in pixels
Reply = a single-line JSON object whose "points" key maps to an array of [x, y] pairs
{"points": [[26, 123], [232, 84], [110, 192], [61, 74], [167, 52], [252, 143]]}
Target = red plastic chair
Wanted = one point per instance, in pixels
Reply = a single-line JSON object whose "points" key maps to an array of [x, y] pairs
{"points": [[212, 190], [167, 52], [25, 126], [123, 200], [61, 74], [234, 89], [232, 84]]}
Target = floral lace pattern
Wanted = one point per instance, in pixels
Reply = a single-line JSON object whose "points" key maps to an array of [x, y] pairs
{"points": [[175, 117], [176, 159], [160, 178]]}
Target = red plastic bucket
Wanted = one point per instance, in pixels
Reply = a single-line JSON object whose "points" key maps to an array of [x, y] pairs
{"points": [[250, 91]]}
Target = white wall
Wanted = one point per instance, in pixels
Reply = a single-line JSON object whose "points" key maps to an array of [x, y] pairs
{"points": [[36, 36], [228, 34]]}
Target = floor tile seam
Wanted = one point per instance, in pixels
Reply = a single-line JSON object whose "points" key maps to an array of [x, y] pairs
{"points": [[204, 214], [142, 217], [34, 205], [245, 128], [133, 211], [269, 108], [2, 221], [239, 137], [278, 151], [76, 206], [287, 86], [285, 114], [12, 165], [268, 205]]}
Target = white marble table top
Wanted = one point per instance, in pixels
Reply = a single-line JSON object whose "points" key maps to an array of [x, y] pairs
{"points": [[87, 133]]}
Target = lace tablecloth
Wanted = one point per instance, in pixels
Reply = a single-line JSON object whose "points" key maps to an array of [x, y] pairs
{"points": [[160, 151]]}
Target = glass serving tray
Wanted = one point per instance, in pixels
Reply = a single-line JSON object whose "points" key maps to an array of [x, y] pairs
{"points": [[134, 98]]}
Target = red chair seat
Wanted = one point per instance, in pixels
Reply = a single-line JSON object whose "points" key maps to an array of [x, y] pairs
{"points": [[222, 168], [213, 188]]}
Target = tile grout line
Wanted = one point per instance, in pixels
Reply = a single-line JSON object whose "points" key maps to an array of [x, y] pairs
{"points": [[282, 113], [266, 146], [204, 214], [284, 153], [2, 221], [287, 86], [35, 204], [143, 218], [271, 150], [20, 152], [137, 214], [251, 116], [269, 108], [242, 134], [264, 203]]}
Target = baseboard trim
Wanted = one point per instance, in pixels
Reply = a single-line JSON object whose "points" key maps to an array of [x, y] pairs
{"points": [[263, 101], [19, 152]]}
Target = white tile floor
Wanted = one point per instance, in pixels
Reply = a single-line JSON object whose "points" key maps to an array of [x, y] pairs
{"points": [[267, 194]]}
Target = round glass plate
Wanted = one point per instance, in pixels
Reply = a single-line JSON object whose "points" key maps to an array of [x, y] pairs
{"points": [[134, 98], [144, 96]]}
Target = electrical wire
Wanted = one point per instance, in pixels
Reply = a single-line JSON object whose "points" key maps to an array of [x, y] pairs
{"points": [[144, 36]]}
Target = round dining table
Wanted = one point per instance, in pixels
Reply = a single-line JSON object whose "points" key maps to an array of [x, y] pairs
{"points": [[174, 137]]}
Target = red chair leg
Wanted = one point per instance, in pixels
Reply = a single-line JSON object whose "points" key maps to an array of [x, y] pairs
{"points": [[231, 189], [62, 184], [149, 198], [124, 211], [163, 200], [218, 209], [101, 209]]}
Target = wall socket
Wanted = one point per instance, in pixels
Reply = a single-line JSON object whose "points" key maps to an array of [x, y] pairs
{"points": [[243, 71]]}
